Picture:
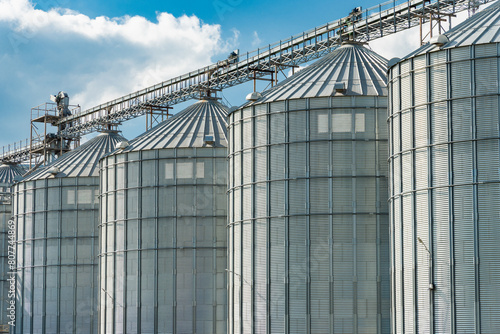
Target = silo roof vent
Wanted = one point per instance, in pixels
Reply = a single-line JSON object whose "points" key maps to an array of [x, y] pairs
{"points": [[439, 40], [54, 170], [209, 140], [254, 96], [339, 87], [122, 145]]}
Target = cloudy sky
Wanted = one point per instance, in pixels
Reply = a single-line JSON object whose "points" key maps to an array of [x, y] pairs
{"points": [[100, 50]]}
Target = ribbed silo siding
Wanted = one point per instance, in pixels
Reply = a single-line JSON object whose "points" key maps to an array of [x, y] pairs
{"points": [[445, 190], [163, 241], [7, 174], [308, 216], [57, 255], [5, 216]]}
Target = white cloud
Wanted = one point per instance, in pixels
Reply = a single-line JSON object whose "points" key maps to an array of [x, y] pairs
{"points": [[256, 41], [404, 42], [134, 29], [296, 70], [397, 45], [98, 59], [93, 59]]}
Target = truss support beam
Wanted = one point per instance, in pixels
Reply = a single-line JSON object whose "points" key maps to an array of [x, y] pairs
{"points": [[387, 18], [156, 114]]}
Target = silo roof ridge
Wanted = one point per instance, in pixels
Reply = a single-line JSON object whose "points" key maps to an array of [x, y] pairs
{"points": [[481, 28], [186, 129], [82, 161], [8, 172], [361, 70]]}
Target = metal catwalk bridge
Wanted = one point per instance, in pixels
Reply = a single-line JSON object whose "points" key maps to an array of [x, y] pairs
{"points": [[387, 18]]}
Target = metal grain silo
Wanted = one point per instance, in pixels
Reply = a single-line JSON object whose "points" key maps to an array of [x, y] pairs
{"points": [[308, 219], [163, 233], [56, 210], [445, 189], [8, 172]]}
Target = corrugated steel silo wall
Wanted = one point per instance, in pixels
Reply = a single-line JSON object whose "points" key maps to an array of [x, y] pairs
{"points": [[445, 191], [5, 216], [57, 255], [308, 217], [163, 241]]}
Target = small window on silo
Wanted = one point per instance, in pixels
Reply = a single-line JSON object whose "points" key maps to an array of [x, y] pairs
{"points": [[359, 123], [200, 170], [341, 123], [169, 170], [70, 197], [184, 170], [323, 123], [85, 196]]}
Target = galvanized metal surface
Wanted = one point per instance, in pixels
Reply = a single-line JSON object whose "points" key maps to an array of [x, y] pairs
{"points": [[82, 161], [5, 216], [57, 219], [384, 19], [188, 128], [482, 28], [361, 71], [445, 189], [378, 21], [163, 231], [7, 174], [308, 219]]}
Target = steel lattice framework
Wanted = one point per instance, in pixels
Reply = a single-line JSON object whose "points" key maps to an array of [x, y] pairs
{"points": [[372, 23]]}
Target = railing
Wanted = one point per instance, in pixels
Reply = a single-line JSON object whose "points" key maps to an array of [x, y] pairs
{"points": [[17, 152], [375, 22]]}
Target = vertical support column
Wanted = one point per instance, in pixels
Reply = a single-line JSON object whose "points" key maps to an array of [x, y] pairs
{"points": [[308, 214], [268, 220], [450, 190], [253, 214], [354, 218], [287, 220], [430, 209], [475, 196]]}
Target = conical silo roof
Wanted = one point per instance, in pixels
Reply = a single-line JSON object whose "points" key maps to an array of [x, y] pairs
{"points": [[188, 128], [82, 161], [481, 28], [8, 172], [360, 70]]}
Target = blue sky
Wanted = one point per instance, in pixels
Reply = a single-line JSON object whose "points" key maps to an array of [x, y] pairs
{"points": [[100, 50], [270, 19]]}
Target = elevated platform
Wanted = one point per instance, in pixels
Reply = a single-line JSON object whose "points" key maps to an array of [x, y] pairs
{"points": [[369, 24]]}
